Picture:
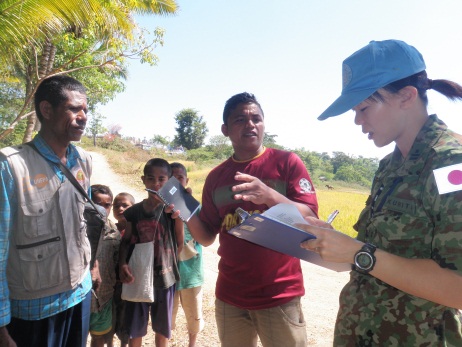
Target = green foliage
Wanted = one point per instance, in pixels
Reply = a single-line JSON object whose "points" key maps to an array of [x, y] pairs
{"points": [[341, 167], [270, 141], [340, 159], [90, 40], [313, 161], [220, 147], [83, 54], [16, 136], [11, 99], [358, 172], [200, 155], [346, 173], [160, 140], [191, 129], [29, 23], [361, 170]]}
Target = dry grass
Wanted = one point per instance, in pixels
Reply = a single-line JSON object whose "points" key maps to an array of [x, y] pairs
{"points": [[349, 204]]}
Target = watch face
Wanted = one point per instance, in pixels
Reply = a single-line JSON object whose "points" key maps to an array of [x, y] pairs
{"points": [[364, 260]]}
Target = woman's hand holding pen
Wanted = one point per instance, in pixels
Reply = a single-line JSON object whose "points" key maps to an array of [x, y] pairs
{"points": [[331, 244]]}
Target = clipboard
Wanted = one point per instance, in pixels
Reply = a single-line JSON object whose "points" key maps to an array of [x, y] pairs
{"points": [[174, 193], [274, 229]]}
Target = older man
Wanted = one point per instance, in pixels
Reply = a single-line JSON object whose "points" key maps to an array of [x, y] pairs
{"points": [[258, 290], [45, 280]]}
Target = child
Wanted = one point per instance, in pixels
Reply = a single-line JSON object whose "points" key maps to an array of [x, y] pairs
{"points": [[146, 222], [122, 201], [189, 288], [101, 325]]}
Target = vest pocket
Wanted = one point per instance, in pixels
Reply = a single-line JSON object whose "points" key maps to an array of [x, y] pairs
{"points": [[41, 265], [40, 218]]}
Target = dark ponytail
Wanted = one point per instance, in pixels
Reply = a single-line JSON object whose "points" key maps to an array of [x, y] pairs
{"points": [[451, 90], [422, 83]]}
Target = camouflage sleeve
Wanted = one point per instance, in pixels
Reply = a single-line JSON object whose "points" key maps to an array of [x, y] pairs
{"points": [[446, 213]]}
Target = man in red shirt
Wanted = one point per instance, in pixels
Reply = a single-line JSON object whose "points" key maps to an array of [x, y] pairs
{"points": [[258, 290]]}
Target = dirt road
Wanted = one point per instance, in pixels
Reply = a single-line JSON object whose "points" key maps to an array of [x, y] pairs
{"points": [[322, 286]]}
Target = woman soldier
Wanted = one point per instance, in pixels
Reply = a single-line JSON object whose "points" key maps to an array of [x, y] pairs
{"points": [[406, 285]]}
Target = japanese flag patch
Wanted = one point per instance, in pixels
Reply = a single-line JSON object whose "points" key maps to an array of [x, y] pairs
{"points": [[449, 178]]}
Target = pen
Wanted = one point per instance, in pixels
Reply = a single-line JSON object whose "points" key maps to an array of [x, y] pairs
{"points": [[332, 216], [96, 298]]}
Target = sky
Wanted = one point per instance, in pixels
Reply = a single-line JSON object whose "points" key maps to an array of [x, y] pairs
{"points": [[289, 54]]}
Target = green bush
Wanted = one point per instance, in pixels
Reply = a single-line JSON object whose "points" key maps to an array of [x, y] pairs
{"points": [[200, 154]]}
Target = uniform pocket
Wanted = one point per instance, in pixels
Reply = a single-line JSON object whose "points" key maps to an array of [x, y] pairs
{"points": [[41, 264], [402, 234]]}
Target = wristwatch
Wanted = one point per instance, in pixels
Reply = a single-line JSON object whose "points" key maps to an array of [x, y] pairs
{"points": [[365, 259]]}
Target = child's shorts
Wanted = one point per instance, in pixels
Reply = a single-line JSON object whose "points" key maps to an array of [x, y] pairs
{"points": [[191, 301], [101, 322], [137, 314]]}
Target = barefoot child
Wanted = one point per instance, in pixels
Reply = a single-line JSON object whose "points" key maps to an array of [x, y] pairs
{"points": [[189, 288], [101, 319], [146, 222], [122, 201]]}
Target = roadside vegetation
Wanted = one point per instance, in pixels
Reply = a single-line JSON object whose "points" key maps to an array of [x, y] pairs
{"points": [[128, 161]]}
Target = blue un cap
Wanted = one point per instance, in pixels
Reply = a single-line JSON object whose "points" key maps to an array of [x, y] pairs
{"points": [[371, 68]]}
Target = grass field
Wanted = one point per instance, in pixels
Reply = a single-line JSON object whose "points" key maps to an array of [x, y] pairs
{"points": [[350, 204], [129, 166]]}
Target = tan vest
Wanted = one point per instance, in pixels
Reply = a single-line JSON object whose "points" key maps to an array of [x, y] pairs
{"points": [[49, 249]]}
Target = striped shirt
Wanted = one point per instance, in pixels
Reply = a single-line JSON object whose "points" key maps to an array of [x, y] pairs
{"points": [[34, 309]]}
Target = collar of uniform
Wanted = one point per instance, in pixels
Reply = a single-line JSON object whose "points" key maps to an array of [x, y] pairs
{"points": [[425, 140]]}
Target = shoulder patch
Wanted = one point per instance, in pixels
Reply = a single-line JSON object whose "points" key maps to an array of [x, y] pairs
{"points": [[305, 186], [448, 179]]}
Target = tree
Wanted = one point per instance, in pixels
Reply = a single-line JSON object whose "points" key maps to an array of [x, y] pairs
{"points": [[71, 36], [96, 126], [220, 146], [11, 98], [346, 173], [31, 22], [160, 140], [341, 159], [312, 160], [270, 141], [191, 130]]}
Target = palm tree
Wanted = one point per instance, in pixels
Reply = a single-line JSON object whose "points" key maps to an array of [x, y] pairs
{"points": [[23, 22], [28, 27]]}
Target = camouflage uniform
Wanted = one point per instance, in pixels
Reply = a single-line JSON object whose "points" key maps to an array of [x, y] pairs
{"points": [[411, 219]]}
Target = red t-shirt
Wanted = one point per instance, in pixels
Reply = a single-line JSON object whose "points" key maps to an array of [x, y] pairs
{"points": [[251, 276]]}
